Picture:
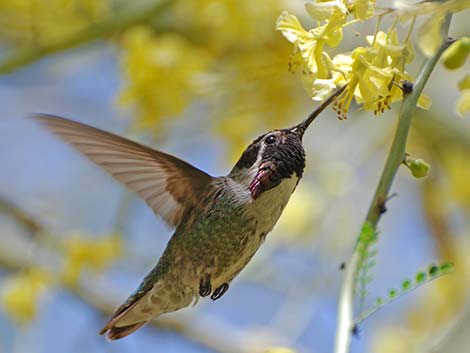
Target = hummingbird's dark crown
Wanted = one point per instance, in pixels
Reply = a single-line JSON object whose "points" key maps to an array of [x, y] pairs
{"points": [[283, 148], [281, 151]]}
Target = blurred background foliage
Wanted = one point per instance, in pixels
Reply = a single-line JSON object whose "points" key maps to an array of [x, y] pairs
{"points": [[200, 79]]}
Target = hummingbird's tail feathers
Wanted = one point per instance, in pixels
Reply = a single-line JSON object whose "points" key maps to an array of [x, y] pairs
{"points": [[116, 332], [149, 301], [123, 322]]}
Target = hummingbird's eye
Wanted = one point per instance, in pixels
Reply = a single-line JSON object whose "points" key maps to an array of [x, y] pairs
{"points": [[270, 139]]}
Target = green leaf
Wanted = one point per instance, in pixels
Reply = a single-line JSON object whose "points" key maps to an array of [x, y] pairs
{"points": [[420, 277], [406, 285], [433, 270], [367, 238], [446, 267]]}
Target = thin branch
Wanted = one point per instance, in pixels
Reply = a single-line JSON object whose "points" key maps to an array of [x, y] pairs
{"points": [[116, 23], [394, 160], [22, 218]]}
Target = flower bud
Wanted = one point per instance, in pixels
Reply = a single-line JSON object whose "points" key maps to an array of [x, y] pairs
{"points": [[419, 168], [456, 55]]}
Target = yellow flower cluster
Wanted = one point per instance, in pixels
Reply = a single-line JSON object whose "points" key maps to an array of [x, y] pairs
{"points": [[374, 73], [463, 103], [222, 25], [36, 22], [223, 53], [162, 73], [21, 293], [429, 35], [81, 253]]}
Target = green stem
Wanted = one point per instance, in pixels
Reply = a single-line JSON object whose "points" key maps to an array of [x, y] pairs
{"points": [[395, 158], [114, 24]]}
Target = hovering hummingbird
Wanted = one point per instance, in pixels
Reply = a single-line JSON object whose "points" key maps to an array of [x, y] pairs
{"points": [[220, 221]]}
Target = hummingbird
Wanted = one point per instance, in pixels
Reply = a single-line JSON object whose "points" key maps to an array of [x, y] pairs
{"points": [[220, 222]]}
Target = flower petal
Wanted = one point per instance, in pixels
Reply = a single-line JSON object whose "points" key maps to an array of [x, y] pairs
{"points": [[424, 101], [322, 11], [429, 36], [291, 28], [463, 103]]}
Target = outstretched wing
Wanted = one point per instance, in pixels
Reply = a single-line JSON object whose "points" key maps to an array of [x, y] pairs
{"points": [[168, 185]]}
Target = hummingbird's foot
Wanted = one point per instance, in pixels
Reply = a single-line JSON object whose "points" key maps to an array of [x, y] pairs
{"points": [[219, 291], [205, 287]]}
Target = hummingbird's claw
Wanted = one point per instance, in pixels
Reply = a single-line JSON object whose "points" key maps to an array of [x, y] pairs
{"points": [[219, 291], [205, 287]]}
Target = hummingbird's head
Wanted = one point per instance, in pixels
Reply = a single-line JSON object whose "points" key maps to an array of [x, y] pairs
{"points": [[276, 155], [269, 159]]}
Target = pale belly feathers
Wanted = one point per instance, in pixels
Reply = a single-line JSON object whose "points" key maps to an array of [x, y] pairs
{"points": [[265, 211]]}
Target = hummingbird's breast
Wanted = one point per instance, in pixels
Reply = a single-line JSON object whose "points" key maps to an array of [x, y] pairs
{"points": [[267, 208], [224, 232], [234, 226]]}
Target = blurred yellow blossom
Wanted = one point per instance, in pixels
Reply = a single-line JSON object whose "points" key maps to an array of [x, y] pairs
{"points": [[161, 74], [82, 253], [300, 213], [223, 25], [463, 103], [458, 171], [225, 55], [252, 95], [21, 292], [279, 350], [394, 339], [430, 34], [34, 22]]}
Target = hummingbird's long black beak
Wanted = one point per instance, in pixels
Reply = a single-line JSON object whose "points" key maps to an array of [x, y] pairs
{"points": [[300, 129]]}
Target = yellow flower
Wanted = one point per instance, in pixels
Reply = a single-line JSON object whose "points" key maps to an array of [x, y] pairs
{"points": [[369, 84], [463, 103], [375, 74], [227, 25], [324, 10], [29, 23], [362, 9], [21, 293], [310, 44], [429, 35], [162, 74], [81, 253]]}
